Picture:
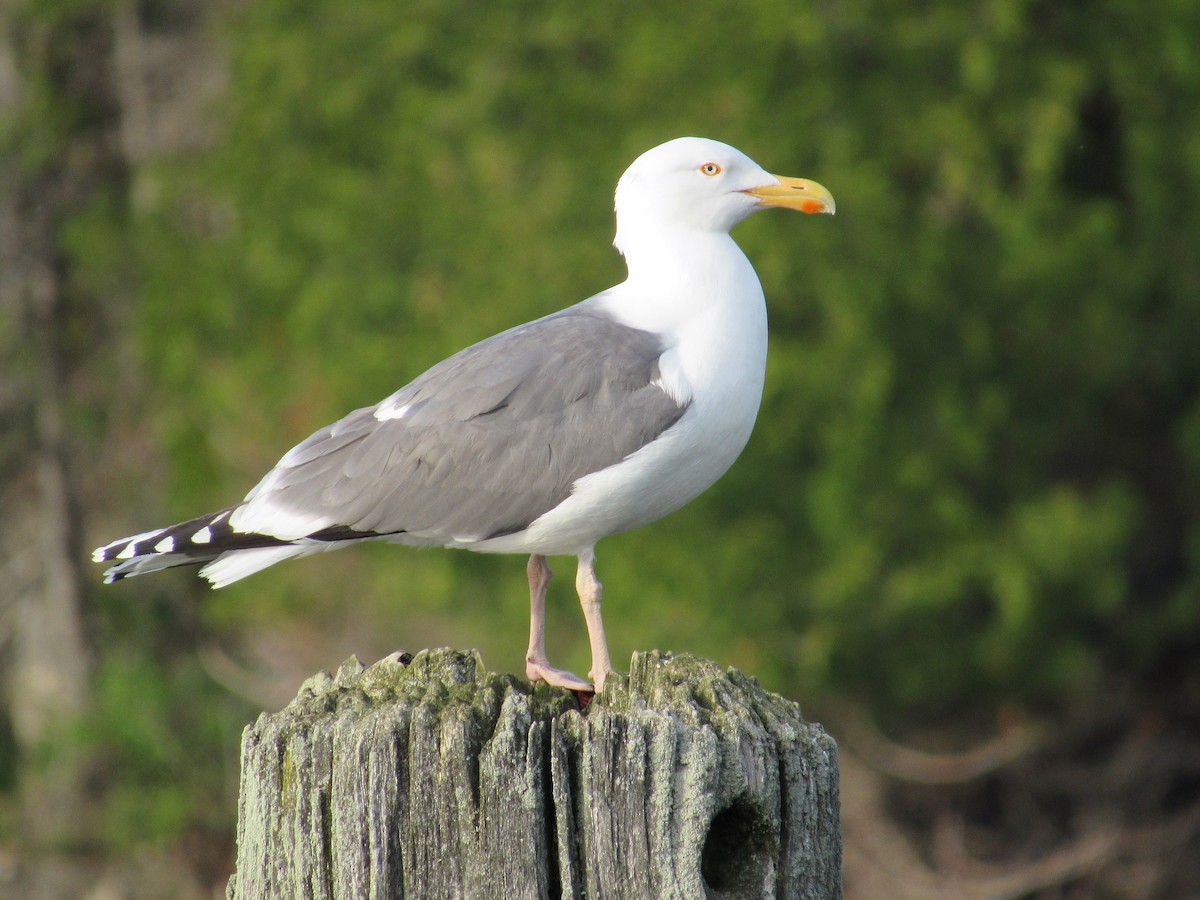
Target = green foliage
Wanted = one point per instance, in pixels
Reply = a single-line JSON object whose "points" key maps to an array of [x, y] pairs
{"points": [[975, 471], [155, 757]]}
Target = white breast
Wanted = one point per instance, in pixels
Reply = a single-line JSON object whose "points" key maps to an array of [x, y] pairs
{"points": [[713, 310]]}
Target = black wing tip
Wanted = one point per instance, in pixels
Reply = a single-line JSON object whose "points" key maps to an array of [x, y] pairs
{"points": [[199, 541]]}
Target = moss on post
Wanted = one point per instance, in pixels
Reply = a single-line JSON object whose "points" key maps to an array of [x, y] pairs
{"points": [[434, 778]]}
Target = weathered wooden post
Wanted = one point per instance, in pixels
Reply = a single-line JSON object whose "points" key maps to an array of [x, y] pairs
{"points": [[435, 779]]}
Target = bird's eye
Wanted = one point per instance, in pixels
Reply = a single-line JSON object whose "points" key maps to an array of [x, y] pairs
{"points": [[710, 168]]}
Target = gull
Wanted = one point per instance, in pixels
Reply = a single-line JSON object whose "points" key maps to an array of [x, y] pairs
{"points": [[594, 420]]}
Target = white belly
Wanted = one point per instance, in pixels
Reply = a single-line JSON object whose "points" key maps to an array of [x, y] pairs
{"points": [[656, 480], [718, 363]]}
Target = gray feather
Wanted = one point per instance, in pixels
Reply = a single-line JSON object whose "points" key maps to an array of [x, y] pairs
{"points": [[492, 437]]}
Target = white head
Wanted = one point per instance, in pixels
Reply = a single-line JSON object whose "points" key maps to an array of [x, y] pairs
{"points": [[696, 184]]}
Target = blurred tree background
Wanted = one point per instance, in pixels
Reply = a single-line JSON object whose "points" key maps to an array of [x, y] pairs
{"points": [[969, 517]]}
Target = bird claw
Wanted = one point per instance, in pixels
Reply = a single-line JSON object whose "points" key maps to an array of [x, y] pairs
{"points": [[543, 671]]}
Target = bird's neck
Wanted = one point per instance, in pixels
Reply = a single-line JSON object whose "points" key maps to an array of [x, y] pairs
{"points": [[678, 276]]}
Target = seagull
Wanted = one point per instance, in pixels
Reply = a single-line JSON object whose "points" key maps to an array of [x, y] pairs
{"points": [[545, 438]]}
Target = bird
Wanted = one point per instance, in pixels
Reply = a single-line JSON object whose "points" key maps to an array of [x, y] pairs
{"points": [[593, 420]]}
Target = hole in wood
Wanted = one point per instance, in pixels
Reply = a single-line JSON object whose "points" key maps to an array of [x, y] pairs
{"points": [[739, 853]]}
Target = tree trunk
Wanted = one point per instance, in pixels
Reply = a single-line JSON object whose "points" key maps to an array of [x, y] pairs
{"points": [[437, 779], [44, 657]]}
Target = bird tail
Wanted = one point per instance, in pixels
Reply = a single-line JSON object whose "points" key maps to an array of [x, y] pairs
{"points": [[227, 555]]}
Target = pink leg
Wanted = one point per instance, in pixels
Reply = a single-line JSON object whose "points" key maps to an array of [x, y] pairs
{"points": [[589, 598], [537, 666]]}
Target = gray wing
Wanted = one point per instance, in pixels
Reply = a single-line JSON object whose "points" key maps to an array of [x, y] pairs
{"points": [[484, 442]]}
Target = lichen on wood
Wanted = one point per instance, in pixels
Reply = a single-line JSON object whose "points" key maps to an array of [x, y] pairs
{"points": [[430, 777]]}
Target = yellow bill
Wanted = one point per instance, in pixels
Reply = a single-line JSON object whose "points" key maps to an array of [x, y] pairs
{"points": [[800, 194]]}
